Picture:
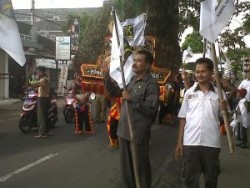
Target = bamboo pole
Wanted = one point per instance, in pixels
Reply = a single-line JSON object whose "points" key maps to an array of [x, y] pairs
{"points": [[224, 113], [204, 47], [133, 150]]}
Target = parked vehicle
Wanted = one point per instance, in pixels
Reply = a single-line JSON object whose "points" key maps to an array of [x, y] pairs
{"points": [[68, 110], [28, 118]]}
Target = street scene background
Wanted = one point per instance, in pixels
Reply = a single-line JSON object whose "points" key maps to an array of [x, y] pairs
{"points": [[68, 160]]}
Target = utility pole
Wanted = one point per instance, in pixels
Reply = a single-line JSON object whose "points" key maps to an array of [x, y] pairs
{"points": [[32, 12]]}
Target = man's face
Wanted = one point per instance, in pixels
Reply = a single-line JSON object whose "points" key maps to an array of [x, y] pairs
{"points": [[40, 74], [202, 74], [140, 65], [248, 74]]}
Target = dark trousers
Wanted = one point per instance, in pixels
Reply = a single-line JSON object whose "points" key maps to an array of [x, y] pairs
{"points": [[83, 118], [241, 134], [143, 162], [162, 112], [42, 114], [201, 159]]}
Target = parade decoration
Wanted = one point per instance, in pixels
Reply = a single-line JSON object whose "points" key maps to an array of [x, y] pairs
{"points": [[10, 40], [93, 76]]}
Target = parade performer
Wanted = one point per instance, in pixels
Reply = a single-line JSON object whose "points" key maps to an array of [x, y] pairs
{"points": [[112, 123], [82, 107]]}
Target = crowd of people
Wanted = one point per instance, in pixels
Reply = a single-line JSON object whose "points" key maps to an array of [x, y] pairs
{"points": [[193, 99]]}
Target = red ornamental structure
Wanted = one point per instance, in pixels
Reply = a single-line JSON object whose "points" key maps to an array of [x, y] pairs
{"points": [[93, 75]]}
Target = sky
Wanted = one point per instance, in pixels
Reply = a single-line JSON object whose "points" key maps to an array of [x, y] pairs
{"points": [[39, 4]]}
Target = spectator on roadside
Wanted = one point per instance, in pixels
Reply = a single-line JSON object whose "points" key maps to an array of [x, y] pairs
{"points": [[230, 90], [246, 85], [43, 85], [242, 118], [199, 135]]}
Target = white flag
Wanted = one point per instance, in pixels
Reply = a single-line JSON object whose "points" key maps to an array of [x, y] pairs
{"points": [[10, 40], [188, 53], [132, 32], [214, 17]]}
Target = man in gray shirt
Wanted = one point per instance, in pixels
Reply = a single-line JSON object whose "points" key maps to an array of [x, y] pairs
{"points": [[142, 95]]}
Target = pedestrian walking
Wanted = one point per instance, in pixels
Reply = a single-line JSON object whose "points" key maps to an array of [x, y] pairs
{"points": [[142, 96], [199, 135]]}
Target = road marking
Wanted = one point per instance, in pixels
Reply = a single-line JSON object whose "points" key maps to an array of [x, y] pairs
{"points": [[27, 167]]}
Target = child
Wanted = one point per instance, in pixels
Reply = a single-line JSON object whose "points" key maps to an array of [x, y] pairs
{"points": [[242, 118]]}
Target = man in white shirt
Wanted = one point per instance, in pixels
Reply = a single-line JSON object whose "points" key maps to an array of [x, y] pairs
{"points": [[199, 136], [246, 85]]}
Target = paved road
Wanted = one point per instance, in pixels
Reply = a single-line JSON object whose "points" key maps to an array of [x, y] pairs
{"points": [[68, 160]]}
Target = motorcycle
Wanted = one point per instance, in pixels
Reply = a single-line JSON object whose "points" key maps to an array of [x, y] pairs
{"points": [[68, 110], [28, 118], [70, 105]]}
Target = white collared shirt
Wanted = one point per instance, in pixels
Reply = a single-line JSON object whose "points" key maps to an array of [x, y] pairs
{"points": [[243, 116], [201, 111]]}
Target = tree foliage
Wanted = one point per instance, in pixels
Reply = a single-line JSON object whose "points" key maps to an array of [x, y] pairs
{"points": [[162, 23], [194, 40], [166, 21]]}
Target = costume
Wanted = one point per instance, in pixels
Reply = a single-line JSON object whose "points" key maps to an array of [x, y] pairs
{"points": [[143, 107], [201, 139], [113, 120], [82, 111]]}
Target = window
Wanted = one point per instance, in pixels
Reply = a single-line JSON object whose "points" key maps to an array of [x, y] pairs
{"points": [[56, 18], [52, 37]]}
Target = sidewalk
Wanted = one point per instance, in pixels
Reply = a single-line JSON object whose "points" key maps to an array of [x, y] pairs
{"points": [[9, 101]]}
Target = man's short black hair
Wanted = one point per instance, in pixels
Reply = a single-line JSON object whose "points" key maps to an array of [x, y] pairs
{"points": [[41, 68], [207, 61], [148, 55]]}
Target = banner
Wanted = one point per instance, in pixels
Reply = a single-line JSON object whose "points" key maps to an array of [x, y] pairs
{"points": [[214, 17], [62, 80], [130, 34], [10, 40], [63, 48]]}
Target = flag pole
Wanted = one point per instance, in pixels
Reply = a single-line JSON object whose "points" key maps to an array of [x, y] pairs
{"points": [[224, 112], [204, 47], [133, 150]]}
